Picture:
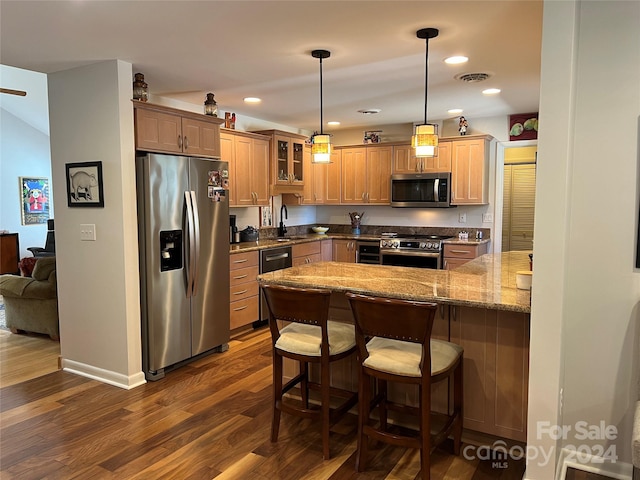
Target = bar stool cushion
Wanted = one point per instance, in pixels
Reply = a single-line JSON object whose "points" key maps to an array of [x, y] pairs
{"points": [[305, 339], [403, 358]]}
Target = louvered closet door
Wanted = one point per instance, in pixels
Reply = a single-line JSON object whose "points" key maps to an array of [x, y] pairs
{"points": [[522, 197]]}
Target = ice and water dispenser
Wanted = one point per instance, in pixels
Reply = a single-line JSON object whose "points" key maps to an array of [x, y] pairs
{"points": [[170, 250]]}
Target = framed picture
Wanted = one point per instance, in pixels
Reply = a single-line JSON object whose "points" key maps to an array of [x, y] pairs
{"points": [[84, 184], [523, 126], [34, 195], [372, 136], [266, 219]]}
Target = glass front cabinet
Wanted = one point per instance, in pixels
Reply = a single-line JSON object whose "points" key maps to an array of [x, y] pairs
{"points": [[287, 158]]}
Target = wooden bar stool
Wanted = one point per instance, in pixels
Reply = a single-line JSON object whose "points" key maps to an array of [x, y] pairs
{"points": [[394, 345], [309, 338]]}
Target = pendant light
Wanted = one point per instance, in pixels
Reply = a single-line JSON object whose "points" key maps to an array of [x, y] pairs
{"points": [[321, 142], [425, 140]]}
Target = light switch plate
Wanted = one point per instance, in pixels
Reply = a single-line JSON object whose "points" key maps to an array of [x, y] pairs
{"points": [[487, 217], [87, 232], [462, 218]]}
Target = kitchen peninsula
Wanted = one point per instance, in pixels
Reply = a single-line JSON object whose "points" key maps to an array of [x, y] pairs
{"points": [[480, 309]]}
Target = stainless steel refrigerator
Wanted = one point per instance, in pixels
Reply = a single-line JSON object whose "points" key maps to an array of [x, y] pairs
{"points": [[183, 232]]}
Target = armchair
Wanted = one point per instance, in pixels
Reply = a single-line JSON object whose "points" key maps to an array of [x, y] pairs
{"points": [[31, 303], [49, 249]]}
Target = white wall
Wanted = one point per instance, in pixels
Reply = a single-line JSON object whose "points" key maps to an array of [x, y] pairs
{"points": [[98, 283], [24, 152], [585, 348]]}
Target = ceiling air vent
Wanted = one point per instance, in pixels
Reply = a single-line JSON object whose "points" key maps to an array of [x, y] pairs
{"points": [[472, 77]]}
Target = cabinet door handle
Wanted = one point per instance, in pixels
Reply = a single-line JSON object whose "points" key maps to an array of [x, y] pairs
{"points": [[244, 260], [240, 276], [240, 293], [180, 141], [186, 143], [240, 308], [362, 196], [453, 313]]}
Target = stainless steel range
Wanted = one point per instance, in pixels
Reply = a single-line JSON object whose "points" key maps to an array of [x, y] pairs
{"points": [[423, 251]]}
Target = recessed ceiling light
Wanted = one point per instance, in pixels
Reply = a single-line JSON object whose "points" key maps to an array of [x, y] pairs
{"points": [[491, 91], [454, 111], [455, 60], [370, 111], [252, 100], [333, 123]]}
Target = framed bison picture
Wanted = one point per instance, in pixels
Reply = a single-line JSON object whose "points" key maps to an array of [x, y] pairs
{"points": [[84, 184]]}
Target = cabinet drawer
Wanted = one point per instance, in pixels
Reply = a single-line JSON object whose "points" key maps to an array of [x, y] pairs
{"points": [[243, 290], [460, 251], [243, 312], [242, 260], [297, 261], [243, 275], [453, 263], [305, 249]]}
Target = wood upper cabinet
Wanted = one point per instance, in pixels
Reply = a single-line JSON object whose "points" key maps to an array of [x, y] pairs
{"points": [[286, 160], [470, 171], [366, 175], [496, 369], [248, 157], [405, 161], [168, 130], [322, 185]]}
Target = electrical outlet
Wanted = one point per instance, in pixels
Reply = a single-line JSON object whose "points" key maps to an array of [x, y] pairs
{"points": [[87, 232], [462, 218], [487, 217]]}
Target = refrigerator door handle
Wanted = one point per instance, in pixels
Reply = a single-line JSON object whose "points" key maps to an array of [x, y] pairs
{"points": [[196, 242], [191, 234]]}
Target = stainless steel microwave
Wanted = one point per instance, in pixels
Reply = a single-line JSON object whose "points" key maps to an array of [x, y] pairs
{"points": [[421, 190]]}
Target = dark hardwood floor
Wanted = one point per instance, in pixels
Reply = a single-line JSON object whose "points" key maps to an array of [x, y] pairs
{"points": [[209, 419]]}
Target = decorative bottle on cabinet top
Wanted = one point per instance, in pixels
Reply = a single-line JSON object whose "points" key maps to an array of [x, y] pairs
{"points": [[140, 88]]}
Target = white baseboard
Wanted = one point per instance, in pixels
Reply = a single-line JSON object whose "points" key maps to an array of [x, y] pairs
{"points": [[104, 376], [592, 464]]}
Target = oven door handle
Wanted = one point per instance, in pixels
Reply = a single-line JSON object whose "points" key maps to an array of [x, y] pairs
{"points": [[409, 253]]}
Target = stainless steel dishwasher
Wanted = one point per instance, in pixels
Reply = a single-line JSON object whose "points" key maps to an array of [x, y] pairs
{"points": [[272, 259]]}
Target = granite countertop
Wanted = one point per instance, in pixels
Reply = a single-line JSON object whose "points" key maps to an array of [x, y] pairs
{"points": [[470, 241], [486, 282], [311, 237]]}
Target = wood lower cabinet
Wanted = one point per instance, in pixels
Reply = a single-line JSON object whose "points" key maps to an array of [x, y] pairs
{"points": [[304, 253], [169, 130], [344, 251], [496, 369], [244, 307], [366, 175], [456, 254], [248, 157]]}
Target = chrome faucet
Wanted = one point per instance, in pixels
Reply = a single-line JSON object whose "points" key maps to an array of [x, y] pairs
{"points": [[281, 228]]}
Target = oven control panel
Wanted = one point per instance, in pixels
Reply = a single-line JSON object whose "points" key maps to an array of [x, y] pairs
{"points": [[411, 244]]}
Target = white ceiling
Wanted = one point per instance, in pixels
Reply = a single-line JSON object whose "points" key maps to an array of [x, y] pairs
{"points": [[262, 48]]}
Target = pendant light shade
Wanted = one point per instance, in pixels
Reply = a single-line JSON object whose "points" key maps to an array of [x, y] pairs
{"points": [[425, 140], [321, 142]]}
